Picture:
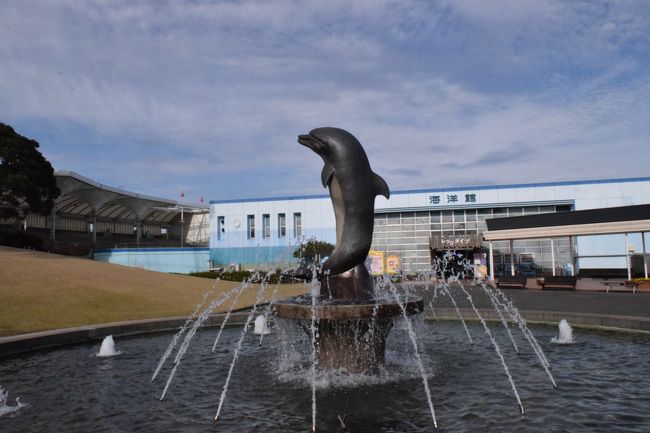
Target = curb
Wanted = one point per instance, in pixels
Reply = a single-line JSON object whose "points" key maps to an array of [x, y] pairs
{"points": [[22, 343], [584, 320]]}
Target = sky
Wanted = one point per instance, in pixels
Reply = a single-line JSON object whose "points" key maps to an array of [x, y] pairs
{"points": [[208, 97]]}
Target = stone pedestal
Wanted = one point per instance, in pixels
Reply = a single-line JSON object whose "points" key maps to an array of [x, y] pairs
{"points": [[350, 336]]}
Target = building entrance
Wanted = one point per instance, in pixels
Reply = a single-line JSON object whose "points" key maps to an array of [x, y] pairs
{"points": [[477, 258]]}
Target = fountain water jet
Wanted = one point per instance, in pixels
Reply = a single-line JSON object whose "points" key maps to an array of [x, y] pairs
{"points": [[446, 291], [181, 332], [108, 348], [565, 335], [261, 328], [497, 349], [5, 409], [258, 299], [189, 334], [225, 319]]}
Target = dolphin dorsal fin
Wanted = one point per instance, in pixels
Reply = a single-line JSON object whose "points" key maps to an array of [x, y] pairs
{"points": [[380, 185], [326, 175]]}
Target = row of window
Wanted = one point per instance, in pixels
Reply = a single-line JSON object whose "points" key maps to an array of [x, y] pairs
{"points": [[462, 215], [407, 234], [266, 226]]}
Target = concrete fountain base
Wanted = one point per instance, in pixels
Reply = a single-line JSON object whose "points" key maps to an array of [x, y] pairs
{"points": [[349, 336]]}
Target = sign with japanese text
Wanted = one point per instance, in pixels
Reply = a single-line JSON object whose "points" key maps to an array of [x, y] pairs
{"points": [[451, 199], [456, 242]]}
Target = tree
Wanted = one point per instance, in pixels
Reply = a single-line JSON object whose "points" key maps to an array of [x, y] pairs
{"points": [[27, 182], [311, 251]]}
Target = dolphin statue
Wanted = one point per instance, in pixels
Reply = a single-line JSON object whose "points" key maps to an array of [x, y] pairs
{"points": [[353, 187]]}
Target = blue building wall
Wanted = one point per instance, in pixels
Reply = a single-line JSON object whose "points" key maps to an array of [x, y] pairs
{"points": [[178, 260], [277, 256]]}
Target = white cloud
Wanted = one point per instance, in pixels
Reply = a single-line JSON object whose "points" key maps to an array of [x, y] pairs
{"points": [[439, 93]]}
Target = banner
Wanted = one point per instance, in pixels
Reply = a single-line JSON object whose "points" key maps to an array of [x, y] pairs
{"points": [[392, 264], [376, 262]]}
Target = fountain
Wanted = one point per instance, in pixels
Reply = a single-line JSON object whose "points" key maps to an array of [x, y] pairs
{"points": [[347, 316], [343, 310], [261, 328], [107, 348], [5, 408], [565, 335]]}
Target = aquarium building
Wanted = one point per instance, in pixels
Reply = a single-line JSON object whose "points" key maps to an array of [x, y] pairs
{"points": [[416, 226]]}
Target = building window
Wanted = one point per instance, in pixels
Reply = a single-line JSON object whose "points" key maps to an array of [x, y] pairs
{"points": [[221, 227], [266, 225], [282, 225], [251, 226], [297, 225]]}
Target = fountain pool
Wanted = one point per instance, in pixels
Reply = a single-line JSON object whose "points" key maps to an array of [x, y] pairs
{"points": [[603, 385]]}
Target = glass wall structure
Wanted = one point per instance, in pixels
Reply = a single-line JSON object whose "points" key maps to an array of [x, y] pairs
{"points": [[408, 234]]}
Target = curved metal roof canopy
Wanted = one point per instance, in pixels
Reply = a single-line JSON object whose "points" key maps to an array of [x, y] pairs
{"points": [[81, 196]]}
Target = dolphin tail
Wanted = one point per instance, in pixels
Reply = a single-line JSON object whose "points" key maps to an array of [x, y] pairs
{"points": [[380, 185]]}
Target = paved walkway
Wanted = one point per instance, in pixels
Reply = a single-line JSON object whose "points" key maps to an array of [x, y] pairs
{"points": [[620, 304], [589, 308]]}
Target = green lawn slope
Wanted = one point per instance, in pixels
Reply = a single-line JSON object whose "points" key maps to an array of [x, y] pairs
{"points": [[41, 291]]}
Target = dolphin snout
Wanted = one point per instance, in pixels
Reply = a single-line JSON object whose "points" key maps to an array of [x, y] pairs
{"points": [[306, 140]]}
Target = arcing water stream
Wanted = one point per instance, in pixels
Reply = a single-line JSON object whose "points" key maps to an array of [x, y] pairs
{"points": [[445, 283], [416, 350], [258, 299]]}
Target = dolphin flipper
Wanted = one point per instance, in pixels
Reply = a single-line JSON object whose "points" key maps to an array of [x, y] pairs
{"points": [[380, 186], [326, 175]]}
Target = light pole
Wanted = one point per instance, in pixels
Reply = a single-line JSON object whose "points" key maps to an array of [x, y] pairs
{"points": [[182, 221]]}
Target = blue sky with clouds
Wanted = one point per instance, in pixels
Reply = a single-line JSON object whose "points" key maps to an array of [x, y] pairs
{"points": [[209, 96]]}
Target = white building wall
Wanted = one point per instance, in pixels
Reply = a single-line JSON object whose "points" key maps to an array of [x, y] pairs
{"points": [[319, 222]]}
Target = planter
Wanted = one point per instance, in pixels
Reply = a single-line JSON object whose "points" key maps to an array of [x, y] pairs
{"points": [[643, 286]]}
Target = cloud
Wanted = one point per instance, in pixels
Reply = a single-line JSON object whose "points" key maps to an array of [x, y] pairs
{"points": [[213, 94]]}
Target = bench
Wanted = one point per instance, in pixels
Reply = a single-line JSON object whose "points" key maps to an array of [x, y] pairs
{"points": [[620, 286], [512, 282], [559, 283]]}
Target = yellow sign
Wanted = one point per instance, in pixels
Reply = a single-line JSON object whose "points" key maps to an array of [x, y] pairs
{"points": [[392, 264], [376, 262]]}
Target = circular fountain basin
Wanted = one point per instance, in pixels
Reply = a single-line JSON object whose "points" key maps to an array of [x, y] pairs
{"points": [[602, 380]]}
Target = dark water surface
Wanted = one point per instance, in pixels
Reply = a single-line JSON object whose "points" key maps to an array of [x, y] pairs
{"points": [[604, 385]]}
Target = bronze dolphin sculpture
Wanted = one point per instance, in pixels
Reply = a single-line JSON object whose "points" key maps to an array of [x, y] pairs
{"points": [[353, 187]]}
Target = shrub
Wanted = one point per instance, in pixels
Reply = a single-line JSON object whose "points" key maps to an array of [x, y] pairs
{"points": [[240, 276], [20, 239], [310, 252]]}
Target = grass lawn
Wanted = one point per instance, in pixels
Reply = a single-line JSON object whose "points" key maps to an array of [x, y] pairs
{"points": [[41, 291]]}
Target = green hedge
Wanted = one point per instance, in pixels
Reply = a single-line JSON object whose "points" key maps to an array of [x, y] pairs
{"points": [[20, 239], [240, 276]]}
